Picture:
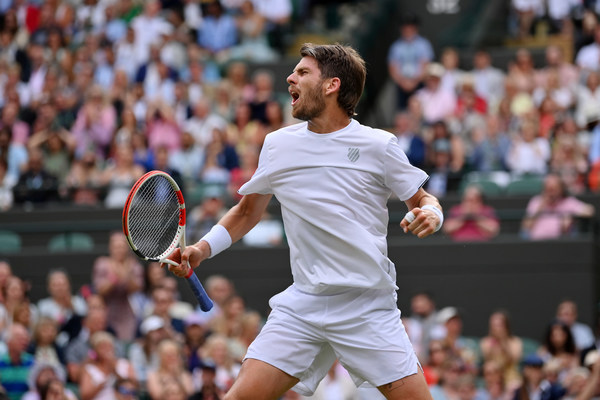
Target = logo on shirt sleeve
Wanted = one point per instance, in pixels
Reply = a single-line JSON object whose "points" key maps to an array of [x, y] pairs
{"points": [[353, 154]]}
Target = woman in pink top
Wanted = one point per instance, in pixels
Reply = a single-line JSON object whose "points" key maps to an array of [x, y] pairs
{"points": [[550, 214]]}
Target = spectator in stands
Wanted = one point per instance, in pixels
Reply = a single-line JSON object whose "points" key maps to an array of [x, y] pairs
{"points": [[253, 42], [453, 75], [10, 118], [236, 78], [61, 305], [438, 103], [44, 346], [559, 347], [451, 371], [528, 154], [158, 78], [583, 336], [40, 376], [15, 296], [78, 349], [263, 93], [227, 369], [587, 57], [407, 58], [170, 371], [422, 323], [437, 356], [472, 219], [446, 160], [84, 180], [494, 385], [534, 382], [119, 176], [278, 14], [501, 345], [454, 342], [242, 131], [521, 71], [526, 12], [561, 95], [204, 216], [203, 121], [161, 127], [488, 80], [57, 146], [550, 215], [99, 375], [14, 153], [143, 352], [163, 299], [588, 98], [219, 288], [95, 124], [239, 176], [189, 159], [569, 161], [490, 147], [148, 29], [568, 73], [115, 277], [218, 152], [196, 333], [16, 362], [218, 33], [409, 138]]}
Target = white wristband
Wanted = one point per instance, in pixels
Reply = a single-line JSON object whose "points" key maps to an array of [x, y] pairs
{"points": [[437, 212], [218, 239]]}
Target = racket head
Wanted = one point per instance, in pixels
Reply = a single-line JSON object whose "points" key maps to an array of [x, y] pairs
{"points": [[154, 216]]}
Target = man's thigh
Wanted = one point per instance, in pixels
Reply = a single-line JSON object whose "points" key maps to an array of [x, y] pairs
{"points": [[258, 380], [411, 387]]}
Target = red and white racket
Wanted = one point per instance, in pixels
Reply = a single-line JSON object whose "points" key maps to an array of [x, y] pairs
{"points": [[154, 223]]}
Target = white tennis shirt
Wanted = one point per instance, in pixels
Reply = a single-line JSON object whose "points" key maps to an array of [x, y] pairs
{"points": [[333, 189]]}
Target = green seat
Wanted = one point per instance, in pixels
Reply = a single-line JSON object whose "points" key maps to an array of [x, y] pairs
{"points": [[10, 242], [525, 186], [71, 241], [488, 187]]}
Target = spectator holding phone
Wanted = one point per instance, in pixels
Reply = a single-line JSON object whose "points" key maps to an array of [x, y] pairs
{"points": [[472, 219]]}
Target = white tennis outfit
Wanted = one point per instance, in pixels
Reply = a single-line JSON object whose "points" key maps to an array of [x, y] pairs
{"points": [[333, 189]]}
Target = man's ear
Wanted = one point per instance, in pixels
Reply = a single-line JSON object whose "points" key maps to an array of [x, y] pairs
{"points": [[332, 85]]}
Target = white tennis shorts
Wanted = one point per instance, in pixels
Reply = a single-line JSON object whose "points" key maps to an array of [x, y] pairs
{"points": [[305, 333]]}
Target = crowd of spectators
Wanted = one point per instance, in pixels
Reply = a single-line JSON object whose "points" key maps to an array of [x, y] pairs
{"points": [[96, 92], [93, 93], [127, 335]]}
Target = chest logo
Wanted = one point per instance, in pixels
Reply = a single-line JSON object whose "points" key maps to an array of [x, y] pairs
{"points": [[353, 154]]}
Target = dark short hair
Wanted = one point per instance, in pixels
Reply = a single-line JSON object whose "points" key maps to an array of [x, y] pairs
{"points": [[343, 62]]}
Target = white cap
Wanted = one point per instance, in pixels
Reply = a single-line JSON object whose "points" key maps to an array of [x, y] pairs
{"points": [[151, 323], [446, 314]]}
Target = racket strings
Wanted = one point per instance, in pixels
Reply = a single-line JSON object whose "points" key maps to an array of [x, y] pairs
{"points": [[154, 217]]}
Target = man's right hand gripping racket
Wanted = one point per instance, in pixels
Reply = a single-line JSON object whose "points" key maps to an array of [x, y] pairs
{"points": [[154, 223]]}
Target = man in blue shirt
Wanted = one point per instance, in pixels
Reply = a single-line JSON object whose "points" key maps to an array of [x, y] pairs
{"points": [[407, 58], [16, 363]]}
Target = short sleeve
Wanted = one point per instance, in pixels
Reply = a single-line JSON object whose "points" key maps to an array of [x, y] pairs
{"points": [[401, 177], [259, 183]]}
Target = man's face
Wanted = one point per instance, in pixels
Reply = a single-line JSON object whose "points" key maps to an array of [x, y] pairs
{"points": [[308, 99]]}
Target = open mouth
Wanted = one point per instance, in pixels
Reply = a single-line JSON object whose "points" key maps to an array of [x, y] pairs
{"points": [[295, 96]]}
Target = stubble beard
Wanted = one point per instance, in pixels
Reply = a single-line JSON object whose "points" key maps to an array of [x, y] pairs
{"points": [[314, 105]]}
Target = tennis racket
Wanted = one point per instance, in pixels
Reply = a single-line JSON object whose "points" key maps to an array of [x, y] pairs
{"points": [[154, 223]]}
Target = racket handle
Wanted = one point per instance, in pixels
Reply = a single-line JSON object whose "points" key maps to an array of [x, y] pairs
{"points": [[203, 300]]}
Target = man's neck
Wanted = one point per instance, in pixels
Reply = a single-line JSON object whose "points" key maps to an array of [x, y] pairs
{"points": [[328, 123]]}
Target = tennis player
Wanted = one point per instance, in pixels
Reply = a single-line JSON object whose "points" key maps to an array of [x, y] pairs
{"points": [[333, 177]]}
